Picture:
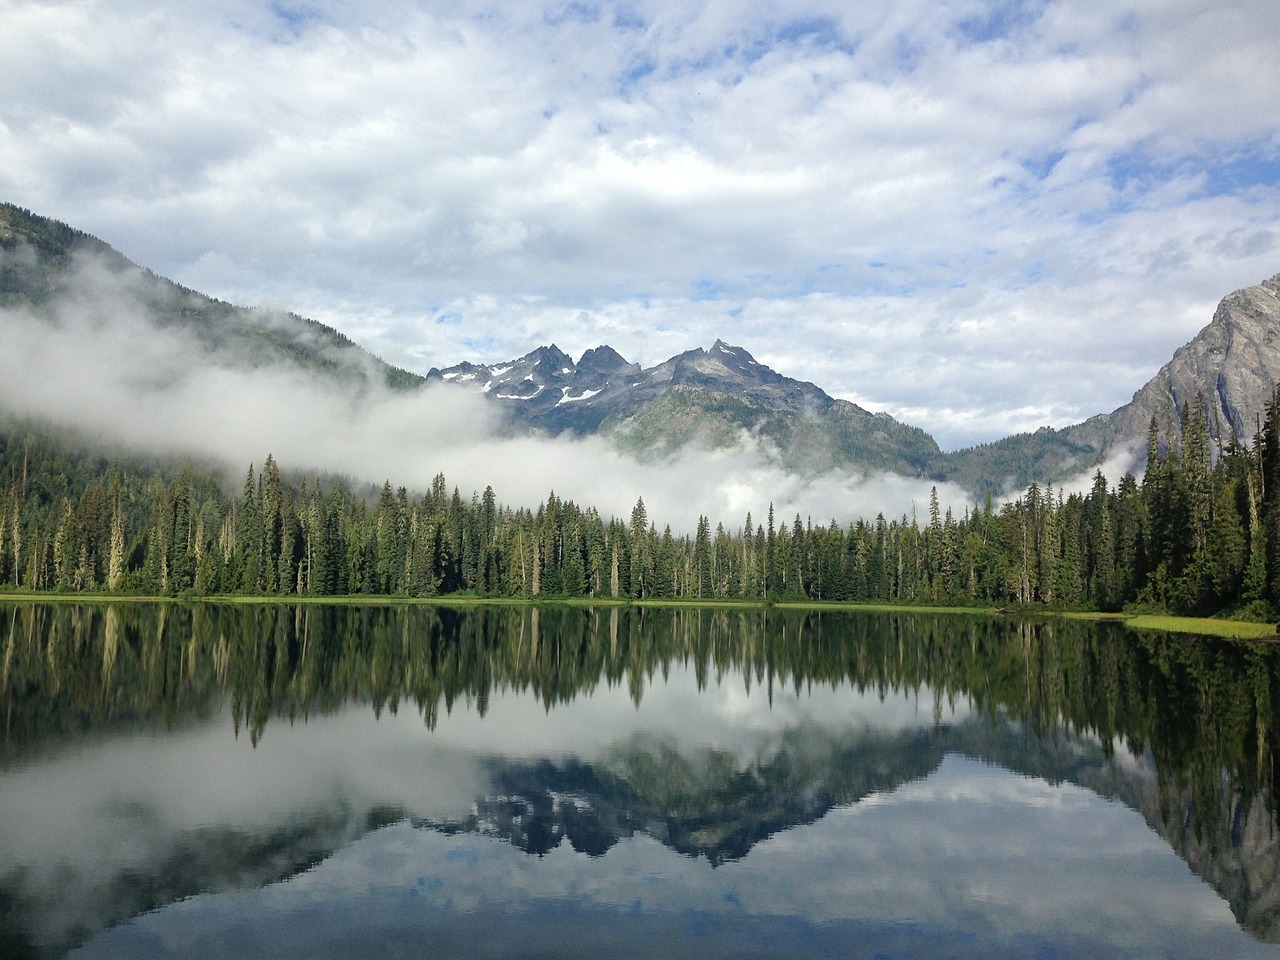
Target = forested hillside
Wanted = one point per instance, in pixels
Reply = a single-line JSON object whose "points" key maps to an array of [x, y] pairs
{"points": [[1198, 534]]}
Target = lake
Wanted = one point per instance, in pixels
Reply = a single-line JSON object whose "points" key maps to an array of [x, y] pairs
{"points": [[315, 781]]}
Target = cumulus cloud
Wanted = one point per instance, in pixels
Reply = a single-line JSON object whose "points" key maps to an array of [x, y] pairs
{"points": [[934, 208]]}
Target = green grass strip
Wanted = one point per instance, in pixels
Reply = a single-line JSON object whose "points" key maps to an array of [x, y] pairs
{"points": [[1234, 629]]}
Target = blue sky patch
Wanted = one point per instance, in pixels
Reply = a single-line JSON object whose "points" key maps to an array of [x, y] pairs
{"points": [[636, 71], [1000, 20], [572, 13], [708, 289], [819, 32], [816, 31], [1134, 174], [484, 346], [626, 18], [1258, 166], [296, 17], [1040, 167]]}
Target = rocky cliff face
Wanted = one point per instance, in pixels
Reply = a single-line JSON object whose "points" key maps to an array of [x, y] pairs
{"points": [[1234, 363]]}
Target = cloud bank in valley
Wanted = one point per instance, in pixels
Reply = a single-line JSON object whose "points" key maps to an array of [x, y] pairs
{"points": [[980, 218], [97, 358]]}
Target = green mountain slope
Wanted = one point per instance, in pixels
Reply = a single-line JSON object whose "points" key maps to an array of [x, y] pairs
{"points": [[48, 267]]}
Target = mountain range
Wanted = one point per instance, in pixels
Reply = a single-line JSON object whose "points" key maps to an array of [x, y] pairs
{"points": [[49, 269], [717, 397], [710, 396]]}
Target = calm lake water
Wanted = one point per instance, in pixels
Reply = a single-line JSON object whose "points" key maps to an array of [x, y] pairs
{"points": [[270, 781]]}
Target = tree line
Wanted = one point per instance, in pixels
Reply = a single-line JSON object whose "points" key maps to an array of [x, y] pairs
{"points": [[1198, 534]]}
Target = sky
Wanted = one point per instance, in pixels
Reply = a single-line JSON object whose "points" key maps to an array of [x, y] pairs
{"points": [[978, 217]]}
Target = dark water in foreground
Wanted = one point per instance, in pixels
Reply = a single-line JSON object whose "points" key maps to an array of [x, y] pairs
{"points": [[270, 781]]}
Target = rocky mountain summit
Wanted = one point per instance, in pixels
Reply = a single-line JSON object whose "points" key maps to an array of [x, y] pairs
{"points": [[1234, 363], [546, 388], [719, 395], [715, 396], [1232, 366]]}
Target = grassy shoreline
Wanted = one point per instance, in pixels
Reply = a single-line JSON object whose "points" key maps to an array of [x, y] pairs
{"points": [[1205, 626]]}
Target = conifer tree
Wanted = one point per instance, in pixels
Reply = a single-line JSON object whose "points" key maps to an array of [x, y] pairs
{"points": [[249, 537], [1269, 471], [271, 504], [641, 552], [702, 581], [115, 550]]}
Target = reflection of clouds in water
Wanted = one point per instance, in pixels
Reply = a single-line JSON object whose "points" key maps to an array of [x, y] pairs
{"points": [[968, 854], [123, 803], [724, 715], [971, 851]]}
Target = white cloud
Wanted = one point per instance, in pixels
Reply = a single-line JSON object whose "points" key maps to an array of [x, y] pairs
{"points": [[988, 219]]}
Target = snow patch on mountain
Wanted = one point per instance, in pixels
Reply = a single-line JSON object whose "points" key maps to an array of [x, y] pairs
{"points": [[585, 395]]}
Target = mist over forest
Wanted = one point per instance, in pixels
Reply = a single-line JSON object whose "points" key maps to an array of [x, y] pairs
{"points": [[97, 357]]}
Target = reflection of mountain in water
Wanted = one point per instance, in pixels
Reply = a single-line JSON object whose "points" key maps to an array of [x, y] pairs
{"points": [[704, 806], [1233, 844], [45, 918], [708, 807], [1049, 700]]}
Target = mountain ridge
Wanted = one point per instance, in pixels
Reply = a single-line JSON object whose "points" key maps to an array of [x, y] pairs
{"points": [[712, 395], [1232, 365], [42, 261], [719, 397]]}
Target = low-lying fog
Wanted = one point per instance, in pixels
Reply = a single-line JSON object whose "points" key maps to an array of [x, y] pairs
{"points": [[100, 358]]}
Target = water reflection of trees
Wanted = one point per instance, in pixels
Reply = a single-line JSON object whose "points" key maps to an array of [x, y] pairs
{"points": [[1206, 709]]}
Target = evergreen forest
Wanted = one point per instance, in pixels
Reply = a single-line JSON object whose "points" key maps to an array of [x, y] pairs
{"points": [[1199, 534]]}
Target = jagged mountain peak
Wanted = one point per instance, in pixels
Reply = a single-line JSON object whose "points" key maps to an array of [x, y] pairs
{"points": [[722, 367], [738, 353], [552, 356], [604, 357], [722, 359], [714, 396]]}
